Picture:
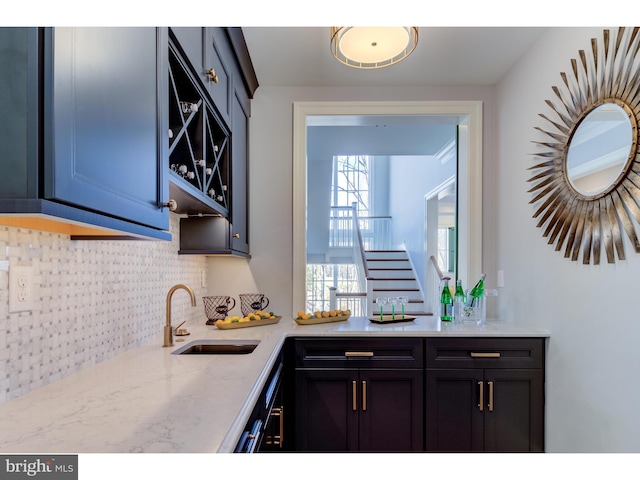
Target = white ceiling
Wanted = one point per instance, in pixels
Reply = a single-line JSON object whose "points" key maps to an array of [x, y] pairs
{"points": [[300, 56]]}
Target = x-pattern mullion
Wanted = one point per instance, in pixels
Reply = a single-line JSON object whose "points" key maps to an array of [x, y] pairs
{"points": [[185, 121], [214, 167], [217, 171], [204, 153]]}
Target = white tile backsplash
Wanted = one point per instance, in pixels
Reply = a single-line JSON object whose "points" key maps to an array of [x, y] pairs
{"points": [[93, 299]]}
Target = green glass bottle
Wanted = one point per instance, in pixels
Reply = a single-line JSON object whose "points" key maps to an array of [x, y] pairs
{"points": [[459, 301], [446, 302], [477, 292]]}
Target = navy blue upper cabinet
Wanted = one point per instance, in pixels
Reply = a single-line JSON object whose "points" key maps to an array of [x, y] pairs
{"points": [[89, 108], [199, 142], [239, 228], [101, 121], [211, 83]]}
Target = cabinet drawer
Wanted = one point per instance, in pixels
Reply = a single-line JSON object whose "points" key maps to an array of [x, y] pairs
{"points": [[359, 353], [485, 353]]}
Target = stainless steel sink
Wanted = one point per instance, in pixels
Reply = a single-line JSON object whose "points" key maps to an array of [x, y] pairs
{"points": [[218, 347]]}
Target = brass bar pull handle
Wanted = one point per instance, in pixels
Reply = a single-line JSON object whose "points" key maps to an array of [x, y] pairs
{"points": [[354, 394], [275, 439], [481, 396], [490, 396], [358, 354], [279, 412], [364, 396], [485, 354]]}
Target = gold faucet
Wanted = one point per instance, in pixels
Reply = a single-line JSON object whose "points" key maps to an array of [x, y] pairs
{"points": [[168, 330]]}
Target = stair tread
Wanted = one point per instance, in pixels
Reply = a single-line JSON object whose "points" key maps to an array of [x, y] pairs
{"points": [[387, 259], [384, 251], [392, 269], [414, 300], [388, 262], [396, 290], [394, 279]]}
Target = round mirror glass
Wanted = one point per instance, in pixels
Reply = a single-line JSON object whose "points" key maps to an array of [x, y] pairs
{"points": [[599, 149]]}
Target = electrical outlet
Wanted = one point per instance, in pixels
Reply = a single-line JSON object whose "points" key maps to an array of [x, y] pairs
{"points": [[20, 288]]}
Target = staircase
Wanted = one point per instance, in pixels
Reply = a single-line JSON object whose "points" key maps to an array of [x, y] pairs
{"points": [[391, 275]]}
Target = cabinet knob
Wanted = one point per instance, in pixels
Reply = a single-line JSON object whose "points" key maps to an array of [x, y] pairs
{"points": [[171, 204], [211, 73], [236, 235]]}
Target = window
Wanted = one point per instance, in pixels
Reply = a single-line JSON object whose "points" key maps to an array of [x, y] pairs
{"points": [[349, 185], [320, 277], [351, 182]]}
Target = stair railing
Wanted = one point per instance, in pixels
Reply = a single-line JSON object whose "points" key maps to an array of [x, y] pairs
{"points": [[378, 238], [356, 302], [419, 281], [361, 262], [341, 227], [358, 245], [434, 290]]}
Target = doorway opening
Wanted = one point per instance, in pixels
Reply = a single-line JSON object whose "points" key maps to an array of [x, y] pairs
{"points": [[465, 115]]}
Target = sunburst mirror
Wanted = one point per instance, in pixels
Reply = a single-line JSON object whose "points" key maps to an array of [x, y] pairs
{"points": [[586, 177]]}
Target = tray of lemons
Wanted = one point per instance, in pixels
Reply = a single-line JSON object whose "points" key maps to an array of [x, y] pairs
{"points": [[254, 319], [322, 316]]}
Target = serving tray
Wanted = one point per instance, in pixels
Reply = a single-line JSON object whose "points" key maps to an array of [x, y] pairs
{"points": [[316, 320], [251, 323], [390, 319]]}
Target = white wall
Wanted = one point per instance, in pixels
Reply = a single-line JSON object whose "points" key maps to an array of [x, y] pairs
{"points": [[414, 177], [593, 377]]}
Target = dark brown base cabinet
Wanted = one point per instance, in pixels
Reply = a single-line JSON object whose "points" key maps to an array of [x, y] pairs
{"points": [[485, 395], [453, 394], [359, 395]]}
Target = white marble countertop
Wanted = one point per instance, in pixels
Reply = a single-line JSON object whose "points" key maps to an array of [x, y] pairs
{"points": [[148, 400]]}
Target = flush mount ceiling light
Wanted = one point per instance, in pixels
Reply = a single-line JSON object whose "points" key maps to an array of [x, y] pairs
{"points": [[372, 47]]}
